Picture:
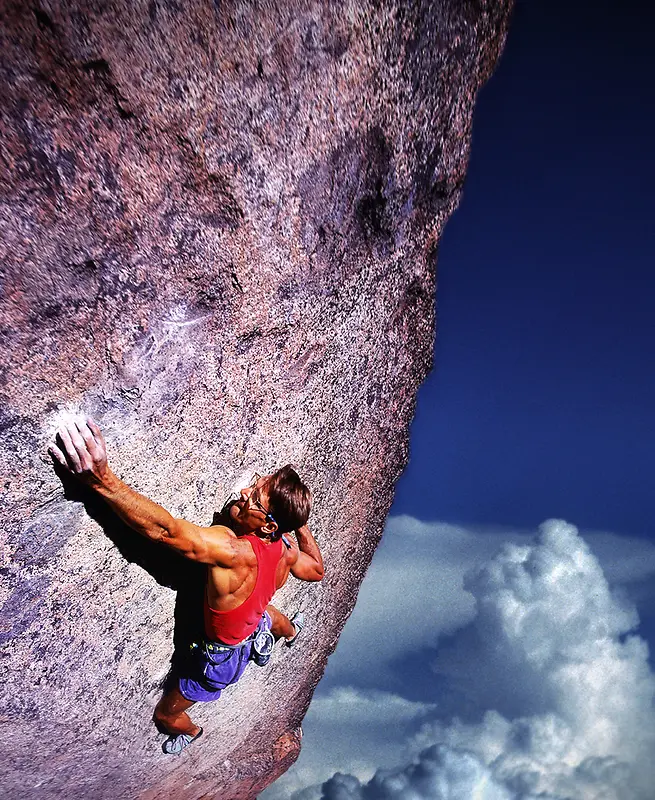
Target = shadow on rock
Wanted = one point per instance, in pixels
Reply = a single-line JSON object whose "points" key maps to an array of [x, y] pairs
{"points": [[167, 567]]}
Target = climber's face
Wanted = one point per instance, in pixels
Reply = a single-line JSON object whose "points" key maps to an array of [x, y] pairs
{"points": [[251, 511]]}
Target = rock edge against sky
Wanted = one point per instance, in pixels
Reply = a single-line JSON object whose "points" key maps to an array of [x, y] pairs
{"points": [[219, 232]]}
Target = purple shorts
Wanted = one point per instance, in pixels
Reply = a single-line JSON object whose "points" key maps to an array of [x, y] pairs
{"points": [[210, 672]]}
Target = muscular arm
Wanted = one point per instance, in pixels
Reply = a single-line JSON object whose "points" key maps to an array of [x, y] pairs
{"points": [[84, 455], [309, 565], [207, 545]]}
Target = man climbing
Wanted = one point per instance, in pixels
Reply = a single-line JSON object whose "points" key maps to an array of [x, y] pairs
{"points": [[246, 563]]}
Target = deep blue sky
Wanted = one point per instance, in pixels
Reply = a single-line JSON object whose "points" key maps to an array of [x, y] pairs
{"points": [[542, 399]]}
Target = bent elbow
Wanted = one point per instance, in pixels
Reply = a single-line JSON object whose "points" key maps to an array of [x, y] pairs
{"points": [[169, 532], [157, 533], [172, 535]]}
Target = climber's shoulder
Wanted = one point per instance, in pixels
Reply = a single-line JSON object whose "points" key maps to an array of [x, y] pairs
{"points": [[238, 546], [216, 545], [288, 558], [290, 550]]}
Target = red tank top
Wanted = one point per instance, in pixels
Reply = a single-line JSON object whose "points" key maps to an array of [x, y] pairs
{"points": [[232, 627]]}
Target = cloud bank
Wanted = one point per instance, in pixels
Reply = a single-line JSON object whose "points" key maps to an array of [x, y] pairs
{"points": [[413, 593], [534, 683], [547, 624], [353, 726], [439, 773]]}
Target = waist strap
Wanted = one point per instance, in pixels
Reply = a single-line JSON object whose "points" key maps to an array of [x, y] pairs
{"points": [[221, 647]]}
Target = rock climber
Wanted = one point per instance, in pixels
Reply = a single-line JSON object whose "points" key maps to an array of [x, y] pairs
{"points": [[246, 562]]}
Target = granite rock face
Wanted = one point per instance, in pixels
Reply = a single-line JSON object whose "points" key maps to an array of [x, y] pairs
{"points": [[219, 224]]}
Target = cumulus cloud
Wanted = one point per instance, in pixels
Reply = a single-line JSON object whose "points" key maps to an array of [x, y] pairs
{"points": [[355, 728], [413, 593], [439, 773], [540, 687], [548, 624]]}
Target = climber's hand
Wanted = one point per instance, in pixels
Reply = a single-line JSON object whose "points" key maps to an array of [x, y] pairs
{"points": [[81, 450]]}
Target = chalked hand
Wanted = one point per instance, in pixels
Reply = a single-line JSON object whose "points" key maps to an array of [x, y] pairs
{"points": [[81, 450]]}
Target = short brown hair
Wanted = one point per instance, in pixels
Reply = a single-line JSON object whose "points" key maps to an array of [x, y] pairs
{"points": [[289, 499]]}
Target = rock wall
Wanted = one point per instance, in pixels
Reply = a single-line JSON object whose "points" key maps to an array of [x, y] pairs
{"points": [[219, 224]]}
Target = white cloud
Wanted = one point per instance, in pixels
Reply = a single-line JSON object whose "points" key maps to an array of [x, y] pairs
{"points": [[548, 625], [349, 723], [556, 693], [345, 704], [412, 594], [625, 560], [439, 773]]}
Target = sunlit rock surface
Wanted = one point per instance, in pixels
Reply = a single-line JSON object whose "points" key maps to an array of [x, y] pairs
{"points": [[219, 225]]}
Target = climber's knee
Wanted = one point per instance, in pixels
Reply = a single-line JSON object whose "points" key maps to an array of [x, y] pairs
{"points": [[171, 705], [280, 624]]}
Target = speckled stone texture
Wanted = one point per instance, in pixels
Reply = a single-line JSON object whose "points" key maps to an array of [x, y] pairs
{"points": [[219, 225]]}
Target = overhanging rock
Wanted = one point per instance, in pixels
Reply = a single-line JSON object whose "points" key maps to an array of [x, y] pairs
{"points": [[219, 225]]}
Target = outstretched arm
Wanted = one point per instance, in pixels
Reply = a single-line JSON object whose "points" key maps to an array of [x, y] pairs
{"points": [[309, 566], [84, 455]]}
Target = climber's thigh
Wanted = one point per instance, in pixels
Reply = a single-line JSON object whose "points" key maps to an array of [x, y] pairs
{"points": [[173, 703]]}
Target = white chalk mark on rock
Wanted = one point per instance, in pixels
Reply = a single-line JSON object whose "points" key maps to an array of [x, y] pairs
{"points": [[178, 317]]}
